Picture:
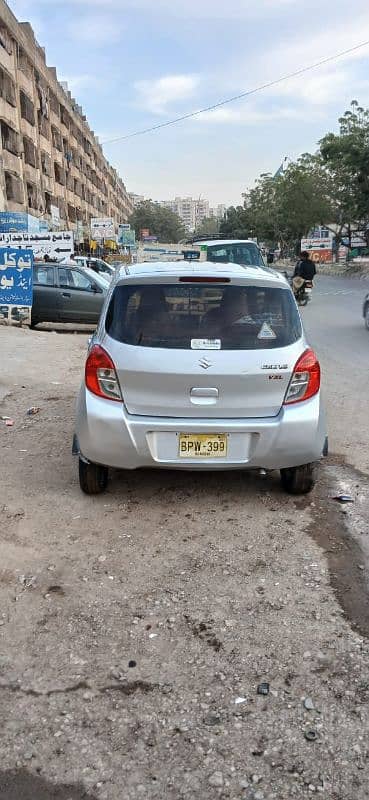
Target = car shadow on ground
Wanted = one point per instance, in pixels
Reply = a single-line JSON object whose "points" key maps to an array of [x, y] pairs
{"points": [[22, 785], [146, 482]]}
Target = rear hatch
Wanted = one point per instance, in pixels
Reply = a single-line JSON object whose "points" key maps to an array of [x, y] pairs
{"points": [[203, 349]]}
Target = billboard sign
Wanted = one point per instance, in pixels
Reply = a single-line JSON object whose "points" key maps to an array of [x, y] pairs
{"points": [[13, 221], [102, 228], [319, 248], [126, 237], [58, 245], [15, 283]]}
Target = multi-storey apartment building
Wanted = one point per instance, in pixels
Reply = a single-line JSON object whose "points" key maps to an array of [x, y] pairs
{"points": [[50, 158]]}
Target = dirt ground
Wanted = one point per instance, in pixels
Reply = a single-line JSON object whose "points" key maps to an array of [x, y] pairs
{"points": [[137, 627]]}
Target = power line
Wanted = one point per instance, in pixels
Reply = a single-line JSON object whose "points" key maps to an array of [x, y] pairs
{"points": [[240, 96]]}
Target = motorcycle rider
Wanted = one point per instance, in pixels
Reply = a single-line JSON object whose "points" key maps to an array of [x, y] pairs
{"points": [[305, 267], [305, 271]]}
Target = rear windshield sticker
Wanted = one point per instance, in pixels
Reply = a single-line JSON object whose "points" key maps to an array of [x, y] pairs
{"points": [[206, 344], [266, 332]]}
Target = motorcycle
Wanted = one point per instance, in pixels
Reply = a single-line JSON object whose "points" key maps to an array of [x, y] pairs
{"points": [[302, 290]]}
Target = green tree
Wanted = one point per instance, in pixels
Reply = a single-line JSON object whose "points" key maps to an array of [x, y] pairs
{"points": [[209, 225], [345, 157], [282, 209], [160, 221], [235, 223]]}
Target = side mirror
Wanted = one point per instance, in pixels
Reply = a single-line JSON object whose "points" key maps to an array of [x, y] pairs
{"points": [[96, 289]]}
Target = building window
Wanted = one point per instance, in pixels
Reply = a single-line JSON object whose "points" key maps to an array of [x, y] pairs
{"points": [[43, 125], [7, 88], [72, 213], [64, 116], [59, 174], [77, 187], [62, 209], [23, 63], [49, 201], [32, 196], [10, 139], [43, 96], [27, 108], [54, 105], [45, 164], [29, 151], [56, 139], [5, 40], [13, 188]]}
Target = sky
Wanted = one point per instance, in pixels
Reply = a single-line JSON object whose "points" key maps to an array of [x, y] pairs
{"points": [[133, 64]]}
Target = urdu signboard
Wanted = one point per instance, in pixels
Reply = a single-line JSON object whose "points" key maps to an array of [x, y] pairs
{"points": [[16, 285], [58, 245]]}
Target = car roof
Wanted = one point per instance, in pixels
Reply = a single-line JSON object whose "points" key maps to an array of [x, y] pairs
{"points": [[218, 242], [175, 269]]}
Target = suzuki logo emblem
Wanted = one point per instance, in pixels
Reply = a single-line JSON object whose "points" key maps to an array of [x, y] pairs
{"points": [[204, 363]]}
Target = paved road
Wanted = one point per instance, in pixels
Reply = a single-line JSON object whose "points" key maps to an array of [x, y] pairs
{"points": [[335, 326]]}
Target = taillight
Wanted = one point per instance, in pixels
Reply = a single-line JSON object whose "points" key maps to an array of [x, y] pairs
{"points": [[305, 381], [100, 375]]}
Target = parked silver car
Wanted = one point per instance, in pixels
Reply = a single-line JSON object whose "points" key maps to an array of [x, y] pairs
{"points": [[200, 366]]}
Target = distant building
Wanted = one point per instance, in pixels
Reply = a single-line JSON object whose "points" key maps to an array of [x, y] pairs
{"points": [[52, 164], [136, 199], [193, 211], [219, 212]]}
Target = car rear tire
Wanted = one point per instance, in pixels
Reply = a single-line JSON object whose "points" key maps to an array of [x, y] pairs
{"points": [[366, 317], [93, 479], [299, 480]]}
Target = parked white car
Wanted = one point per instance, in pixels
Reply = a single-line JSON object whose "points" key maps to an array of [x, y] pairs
{"points": [[97, 265], [200, 366]]}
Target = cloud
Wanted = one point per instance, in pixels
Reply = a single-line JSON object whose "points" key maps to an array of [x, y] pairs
{"points": [[96, 29], [81, 83], [195, 9], [252, 115], [156, 95]]}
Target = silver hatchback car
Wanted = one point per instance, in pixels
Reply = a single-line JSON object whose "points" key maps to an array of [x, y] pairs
{"points": [[200, 366]]}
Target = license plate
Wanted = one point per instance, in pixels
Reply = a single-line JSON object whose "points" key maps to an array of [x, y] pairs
{"points": [[202, 445]]}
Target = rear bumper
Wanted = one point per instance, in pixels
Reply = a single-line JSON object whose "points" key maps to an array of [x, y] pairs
{"points": [[108, 435]]}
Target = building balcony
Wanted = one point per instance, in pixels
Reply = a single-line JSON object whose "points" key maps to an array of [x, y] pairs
{"points": [[57, 156], [59, 190], [8, 113], [11, 162], [25, 82], [8, 61], [45, 144], [11, 206], [47, 183], [31, 174], [54, 119], [28, 130]]}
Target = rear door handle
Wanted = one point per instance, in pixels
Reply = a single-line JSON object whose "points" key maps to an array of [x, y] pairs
{"points": [[204, 392], [66, 294]]}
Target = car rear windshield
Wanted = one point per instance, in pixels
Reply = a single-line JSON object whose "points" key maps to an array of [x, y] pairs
{"points": [[235, 253], [203, 316]]}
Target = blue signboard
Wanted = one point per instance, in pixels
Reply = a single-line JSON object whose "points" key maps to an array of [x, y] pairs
{"points": [[15, 277], [126, 238], [13, 221]]}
